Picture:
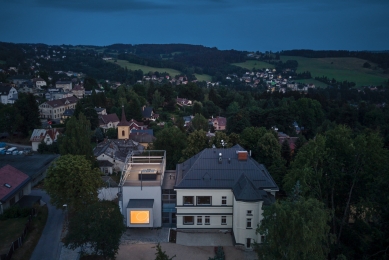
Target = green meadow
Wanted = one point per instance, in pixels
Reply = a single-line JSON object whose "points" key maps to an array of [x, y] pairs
{"points": [[256, 64], [341, 69]]}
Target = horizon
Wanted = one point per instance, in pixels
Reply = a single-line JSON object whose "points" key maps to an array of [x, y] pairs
{"points": [[250, 25]]}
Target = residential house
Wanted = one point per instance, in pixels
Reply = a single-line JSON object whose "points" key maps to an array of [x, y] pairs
{"points": [[124, 127], [26, 87], [68, 113], [14, 184], [223, 190], [219, 123], [78, 91], [57, 93], [39, 83], [291, 140], [135, 125], [148, 114], [101, 110], [8, 94], [116, 151], [55, 108], [65, 85], [106, 166], [108, 121], [183, 102], [144, 137], [48, 136]]}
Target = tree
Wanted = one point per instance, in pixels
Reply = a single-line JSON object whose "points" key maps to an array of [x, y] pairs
{"points": [[217, 140], [112, 133], [76, 139], [197, 141], [285, 152], [199, 122], [157, 99], [99, 226], [27, 107], [161, 255], [197, 108], [250, 137], [294, 229], [173, 141], [71, 180]]}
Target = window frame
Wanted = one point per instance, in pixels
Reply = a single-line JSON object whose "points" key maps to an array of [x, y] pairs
{"points": [[224, 200], [249, 212], [224, 220], [207, 220], [249, 224], [204, 204], [189, 204], [201, 220], [188, 223]]}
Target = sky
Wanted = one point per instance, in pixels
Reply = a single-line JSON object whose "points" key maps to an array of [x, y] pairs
{"points": [[247, 25]]}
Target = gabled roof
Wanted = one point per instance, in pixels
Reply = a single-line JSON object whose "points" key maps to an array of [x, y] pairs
{"points": [[142, 137], [221, 121], [11, 179], [117, 149], [105, 119], [4, 89], [234, 169], [39, 134]]}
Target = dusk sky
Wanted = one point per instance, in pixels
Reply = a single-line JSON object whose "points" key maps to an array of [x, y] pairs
{"points": [[251, 25]]}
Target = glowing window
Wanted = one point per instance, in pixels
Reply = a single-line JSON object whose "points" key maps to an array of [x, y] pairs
{"points": [[139, 217]]}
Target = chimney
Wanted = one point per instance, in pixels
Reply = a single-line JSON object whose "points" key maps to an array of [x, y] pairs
{"points": [[220, 157], [242, 155]]}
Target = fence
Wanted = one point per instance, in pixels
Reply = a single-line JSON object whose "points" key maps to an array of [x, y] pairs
{"points": [[19, 242]]}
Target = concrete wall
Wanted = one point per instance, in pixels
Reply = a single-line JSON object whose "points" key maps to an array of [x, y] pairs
{"points": [[241, 232], [151, 192]]}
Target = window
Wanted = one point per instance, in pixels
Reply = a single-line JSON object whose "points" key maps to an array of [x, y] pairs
{"points": [[188, 220], [123, 133], [224, 200], [249, 213], [207, 220], [199, 220], [248, 242], [188, 200], [204, 200], [224, 220], [248, 223]]}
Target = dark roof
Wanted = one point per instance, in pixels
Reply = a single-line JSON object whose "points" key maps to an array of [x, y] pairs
{"points": [[117, 149], [11, 180], [31, 165], [4, 89], [147, 112], [123, 122], [68, 112], [245, 177], [105, 119], [140, 203], [142, 137], [142, 131], [62, 101]]}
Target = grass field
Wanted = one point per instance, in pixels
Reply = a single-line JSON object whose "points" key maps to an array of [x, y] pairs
{"points": [[250, 64], [147, 69], [350, 69], [313, 81]]}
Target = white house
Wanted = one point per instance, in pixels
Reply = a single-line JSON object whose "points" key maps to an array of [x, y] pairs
{"points": [[49, 136], [140, 197], [223, 190], [55, 108], [8, 94], [39, 83], [65, 85]]}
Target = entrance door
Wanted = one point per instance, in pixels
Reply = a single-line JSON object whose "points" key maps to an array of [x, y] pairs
{"points": [[248, 242]]}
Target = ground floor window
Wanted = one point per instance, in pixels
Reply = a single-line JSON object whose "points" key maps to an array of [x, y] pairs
{"points": [[207, 220], [199, 220], [188, 220], [224, 220]]}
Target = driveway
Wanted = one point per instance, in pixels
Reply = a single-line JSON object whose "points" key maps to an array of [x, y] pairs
{"points": [[48, 246]]}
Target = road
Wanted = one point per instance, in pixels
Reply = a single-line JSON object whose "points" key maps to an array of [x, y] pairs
{"points": [[49, 246]]}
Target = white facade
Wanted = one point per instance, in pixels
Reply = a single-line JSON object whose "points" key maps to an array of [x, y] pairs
{"points": [[8, 96]]}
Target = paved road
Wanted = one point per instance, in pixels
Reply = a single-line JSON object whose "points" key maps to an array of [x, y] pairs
{"points": [[48, 247]]}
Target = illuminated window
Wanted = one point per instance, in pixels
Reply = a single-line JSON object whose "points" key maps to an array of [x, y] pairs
{"points": [[139, 217], [188, 220]]}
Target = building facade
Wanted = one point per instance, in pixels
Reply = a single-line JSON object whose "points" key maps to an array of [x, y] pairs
{"points": [[54, 109]]}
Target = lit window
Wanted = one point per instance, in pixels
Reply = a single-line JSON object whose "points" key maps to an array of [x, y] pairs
{"points": [[204, 200], [207, 220], [224, 220], [188, 200], [248, 223], [199, 220], [224, 200], [188, 220]]}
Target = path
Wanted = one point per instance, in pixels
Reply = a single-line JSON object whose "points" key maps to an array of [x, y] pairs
{"points": [[48, 246]]}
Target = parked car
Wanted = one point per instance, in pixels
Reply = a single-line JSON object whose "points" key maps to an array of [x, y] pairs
{"points": [[15, 152], [11, 150], [3, 150]]}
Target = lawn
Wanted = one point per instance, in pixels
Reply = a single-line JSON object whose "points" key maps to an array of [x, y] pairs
{"points": [[145, 69], [347, 68], [256, 64], [317, 83], [203, 77], [11, 229]]}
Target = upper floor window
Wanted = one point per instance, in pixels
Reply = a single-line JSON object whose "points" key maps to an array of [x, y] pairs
{"points": [[249, 213], [188, 200], [248, 223], [204, 200], [224, 200]]}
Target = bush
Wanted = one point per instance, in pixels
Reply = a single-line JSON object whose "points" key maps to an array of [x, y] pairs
{"points": [[15, 212]]}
